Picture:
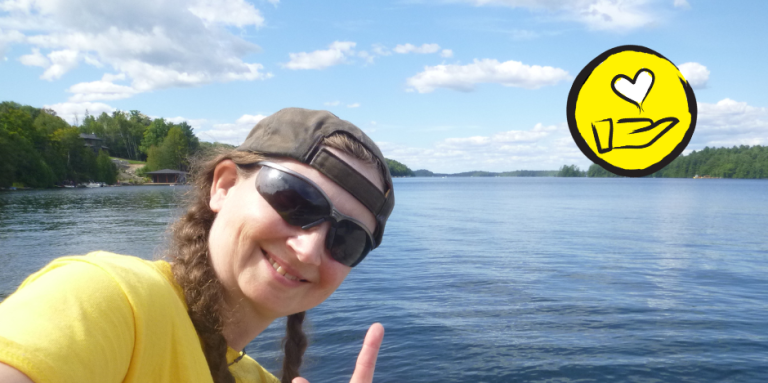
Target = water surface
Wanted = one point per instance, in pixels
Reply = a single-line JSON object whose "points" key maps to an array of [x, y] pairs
{"points": [[495, 279]]}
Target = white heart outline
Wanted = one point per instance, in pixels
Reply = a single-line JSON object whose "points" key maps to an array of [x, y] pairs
{"points": [[633, 88]]}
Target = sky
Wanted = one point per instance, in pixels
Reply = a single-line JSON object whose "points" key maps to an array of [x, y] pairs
{"points": [[443, 85]]}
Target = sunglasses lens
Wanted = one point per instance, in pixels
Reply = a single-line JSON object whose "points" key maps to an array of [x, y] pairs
{"points": [[298, 202], [350, 243]]}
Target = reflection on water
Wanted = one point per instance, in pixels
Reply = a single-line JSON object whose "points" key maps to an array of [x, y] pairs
{"points": [[37, 226], [496, 279]]}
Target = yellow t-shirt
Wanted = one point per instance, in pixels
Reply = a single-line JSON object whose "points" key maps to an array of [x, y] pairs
{"points": [[107, 318]]}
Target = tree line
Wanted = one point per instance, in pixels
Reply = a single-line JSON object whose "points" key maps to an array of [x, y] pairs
{"points": [[735, 162], [39, 149], [135, 136]]}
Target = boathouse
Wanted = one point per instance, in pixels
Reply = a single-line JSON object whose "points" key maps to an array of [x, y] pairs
{"points": [[168, 176]]}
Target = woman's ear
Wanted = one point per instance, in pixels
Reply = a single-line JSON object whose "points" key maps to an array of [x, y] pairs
{"points": [[224, 178]]}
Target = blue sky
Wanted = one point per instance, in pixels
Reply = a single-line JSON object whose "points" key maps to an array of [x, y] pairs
{"points": [[447, 86]]}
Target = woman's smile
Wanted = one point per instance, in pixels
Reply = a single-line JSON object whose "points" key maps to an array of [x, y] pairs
{"points": [[285, 271]]}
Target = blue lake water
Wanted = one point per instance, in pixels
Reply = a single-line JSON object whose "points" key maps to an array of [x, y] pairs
{"points": [[495, 279]]}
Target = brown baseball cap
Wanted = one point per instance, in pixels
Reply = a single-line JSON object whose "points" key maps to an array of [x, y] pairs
{"points": [[298, 133]]}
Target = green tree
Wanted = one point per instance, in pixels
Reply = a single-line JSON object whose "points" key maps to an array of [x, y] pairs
{"points": [[570, 171], [171, 154], [596, 170], [106, 170], [397, 169], [154, 135]]}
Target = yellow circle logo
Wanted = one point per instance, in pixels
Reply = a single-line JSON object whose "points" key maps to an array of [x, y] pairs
{"points": [[631, 111]]}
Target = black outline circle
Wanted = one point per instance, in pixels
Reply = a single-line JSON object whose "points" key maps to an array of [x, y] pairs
{"points": [[573, 96]]}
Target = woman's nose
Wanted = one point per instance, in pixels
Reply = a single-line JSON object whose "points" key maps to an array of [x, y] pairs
{"points": [[309, 245]]}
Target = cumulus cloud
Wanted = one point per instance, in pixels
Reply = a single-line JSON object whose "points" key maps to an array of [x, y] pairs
{"points": [[682, 4], [337, 53], [606, 15], [74, 112], [446, 53], [543, 147], [465, 77], [104, 89], [61, 62], [233, 12], [353, 105], [696, 74], [728, 123], [35, 59], [410, 48], [229, 133], [156, 45], [9, 37], [380, 50]]}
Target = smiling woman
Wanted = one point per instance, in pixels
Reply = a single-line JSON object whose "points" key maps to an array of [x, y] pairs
{"points": [[272, 229]]}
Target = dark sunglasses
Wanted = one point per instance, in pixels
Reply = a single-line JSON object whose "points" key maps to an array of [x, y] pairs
{"points": [[300, 202]]}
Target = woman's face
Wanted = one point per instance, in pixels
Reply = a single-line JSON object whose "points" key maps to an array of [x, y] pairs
{"points": [[249, 240]]}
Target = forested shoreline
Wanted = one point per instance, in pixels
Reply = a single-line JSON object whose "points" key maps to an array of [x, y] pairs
{"points": [[39, 149], [745, 162]]}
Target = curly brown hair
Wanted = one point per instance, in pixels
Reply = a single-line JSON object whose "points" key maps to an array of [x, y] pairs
{"points": [[194, 272]]}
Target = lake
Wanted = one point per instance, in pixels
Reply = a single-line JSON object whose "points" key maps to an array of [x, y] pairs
{"points": [[494, 279]]}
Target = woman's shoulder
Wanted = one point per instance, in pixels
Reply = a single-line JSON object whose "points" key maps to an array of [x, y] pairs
{"points": [[247, 370], [138, 279]]}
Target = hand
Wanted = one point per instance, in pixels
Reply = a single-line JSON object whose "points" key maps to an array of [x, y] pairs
{"points": [[630, 133], [366, 361]]}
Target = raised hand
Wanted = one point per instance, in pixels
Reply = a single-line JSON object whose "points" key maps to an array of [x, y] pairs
{"points": [[366, 361]]}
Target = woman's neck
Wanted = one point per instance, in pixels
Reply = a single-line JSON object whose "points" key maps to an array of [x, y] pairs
{"points": [[242, 324]]}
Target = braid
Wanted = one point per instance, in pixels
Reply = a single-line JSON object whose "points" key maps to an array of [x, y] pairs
{"points": [[294, 344], [192, 268]]}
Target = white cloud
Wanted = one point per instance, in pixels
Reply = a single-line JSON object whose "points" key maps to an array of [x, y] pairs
{"points": [[381, 50], [9, 37], [366, 56], [61, 62], [465, 77], [446, 53], [74, 112], [155, 44], [104, 89], [609, 15], [410, 48], [233, 12], [337, 53], [696, 74], [230, 133], [543, 147], [35, 59], [682, 4], [728, 123], [353, 105]]}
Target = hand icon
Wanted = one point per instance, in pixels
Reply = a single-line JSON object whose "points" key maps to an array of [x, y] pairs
{"points": [[366, 361], [630, 133]]}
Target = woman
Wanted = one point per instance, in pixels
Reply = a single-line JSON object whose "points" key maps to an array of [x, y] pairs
{"points": [[272, 230]]}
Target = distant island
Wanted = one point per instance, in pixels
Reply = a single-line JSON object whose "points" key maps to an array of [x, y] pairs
{"points": [[746, 162], [478, 173]]}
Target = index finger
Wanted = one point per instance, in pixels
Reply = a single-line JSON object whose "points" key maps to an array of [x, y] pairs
{"points": [[366, 361]]}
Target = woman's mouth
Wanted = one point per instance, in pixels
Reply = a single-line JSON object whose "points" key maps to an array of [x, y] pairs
{"points": [[284, 273]]}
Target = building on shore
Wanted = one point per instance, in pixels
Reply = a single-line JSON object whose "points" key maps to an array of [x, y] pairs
{"points": [[168, 176], [93, 142]]}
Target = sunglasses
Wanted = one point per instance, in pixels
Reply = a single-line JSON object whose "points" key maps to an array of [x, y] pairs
{"points": [[300, 202]]}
